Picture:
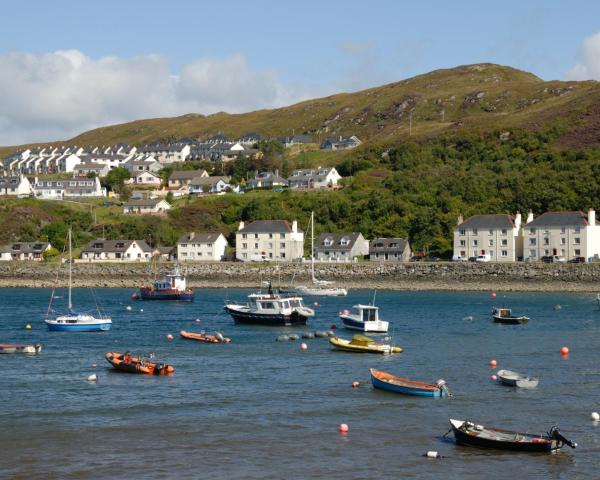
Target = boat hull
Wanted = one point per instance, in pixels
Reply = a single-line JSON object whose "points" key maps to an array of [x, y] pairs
{"points": [[89, 327], [347, 346], [352, 323], [513, 379], [276, 320], [510, 320], [152, 294], [395, 385], [137, 365], [202, 337], [527, 442], [21, 349]]}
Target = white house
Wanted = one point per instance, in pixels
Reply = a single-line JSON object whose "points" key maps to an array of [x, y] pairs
{"points": [[564, 234], [320, 177], [496, 236], [266, 180], [166, 152], [73, 187], [389, 250], [216, 184], [101, 250], [201, 247], [85, 168], [340, 247], [276, 240], [341, 143], [147, 178], [18, 186], [146, 164], [24, 251], [147, 206]]}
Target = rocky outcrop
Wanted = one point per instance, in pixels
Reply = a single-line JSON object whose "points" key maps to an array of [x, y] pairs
{"points": [[401, 276]]}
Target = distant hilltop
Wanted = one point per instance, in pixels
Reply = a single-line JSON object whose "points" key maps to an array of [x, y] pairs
{"points": [[471, 98]]}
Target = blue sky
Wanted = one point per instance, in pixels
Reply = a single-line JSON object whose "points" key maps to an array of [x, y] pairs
{"points": [[239, 55]]}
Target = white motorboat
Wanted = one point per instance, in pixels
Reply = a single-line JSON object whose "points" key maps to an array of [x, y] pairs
{"points": [[365, 318]]}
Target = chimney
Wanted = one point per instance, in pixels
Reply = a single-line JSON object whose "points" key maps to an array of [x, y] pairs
{"points": [[529, 217], [518, 220], [192, 235], [592, 217], [276, 172], [241, 227], [460, 220], [295, 226]]}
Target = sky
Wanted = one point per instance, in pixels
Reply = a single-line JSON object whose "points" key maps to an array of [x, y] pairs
{"points": [[67, 66]]}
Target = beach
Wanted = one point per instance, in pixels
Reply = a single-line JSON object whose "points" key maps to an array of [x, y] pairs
{"points": [[417, 276]]}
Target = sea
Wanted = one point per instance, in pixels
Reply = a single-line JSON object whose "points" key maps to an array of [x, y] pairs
{"points": [[261, 409]]}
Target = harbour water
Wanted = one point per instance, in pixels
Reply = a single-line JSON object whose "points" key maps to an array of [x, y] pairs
{"points": [[258, 409]]}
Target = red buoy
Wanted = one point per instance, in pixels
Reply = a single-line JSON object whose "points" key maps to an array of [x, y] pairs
{"points": [[493, 363], [564, 351], [303, 346], [355, 384], [343, 428], [494, 378], [493, 294]]}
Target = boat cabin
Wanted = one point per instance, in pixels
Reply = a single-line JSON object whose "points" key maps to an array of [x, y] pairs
{"points": [[274, 303], [502, 312], [367, 313], [174, 281]]}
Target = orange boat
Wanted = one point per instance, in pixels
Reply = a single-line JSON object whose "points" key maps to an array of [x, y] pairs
{"points": [[203, 337], [130, 364]]}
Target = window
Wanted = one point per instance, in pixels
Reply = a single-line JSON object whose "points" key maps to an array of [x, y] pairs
{"points": [[577, 240], [504, 253], [474, 231], [546, 241], [463, 243], [532, 253], [563, 230], [463, 253], [345, 242], [491, 254], [282, 255], [282, 245], [270, 235], [256, 245], [282, 235], [329, 242], [563, 241], [184, 245], [577, 229], [209, 245], [462, 231], [532, 242], [244, 245], [184, 254], [546, 252], [244, 255], [490, 232], [256, 235], [504, 231], [244, 235], [490, 243], [474, 243], [504, 242], [577, 252], [532, 231]]}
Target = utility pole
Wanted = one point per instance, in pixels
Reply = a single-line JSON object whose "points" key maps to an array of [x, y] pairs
{"points": [[443, 114], [410, 124]]}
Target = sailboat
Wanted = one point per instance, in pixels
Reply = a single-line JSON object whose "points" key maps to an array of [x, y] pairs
{"points": [[74, 321], [319, 288]]}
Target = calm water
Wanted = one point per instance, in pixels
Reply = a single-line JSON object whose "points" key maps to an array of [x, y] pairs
{"points": [[260, 409]]}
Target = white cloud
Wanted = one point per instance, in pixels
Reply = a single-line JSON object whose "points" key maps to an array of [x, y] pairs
{"points": [[57, 95], [588, 67]]}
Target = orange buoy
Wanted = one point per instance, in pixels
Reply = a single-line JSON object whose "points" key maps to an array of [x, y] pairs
{"points": [[355, 384], [564, 351], [343, 428], [303, 346], [493, 363]]}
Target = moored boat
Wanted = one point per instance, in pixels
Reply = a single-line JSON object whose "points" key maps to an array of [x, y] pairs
{"points": [[17, 348], [391, 383], [128, 363], [203, 337], [505, 315], [270, 309], [362, 344], [515, 379], [474, 435], [172, 287], [365, 318]]}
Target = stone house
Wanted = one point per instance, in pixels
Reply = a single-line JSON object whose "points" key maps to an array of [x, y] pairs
{"points": [[269, 240], [389, 250], [565, 234], [496, 236], [201, 247], [340, 247]]}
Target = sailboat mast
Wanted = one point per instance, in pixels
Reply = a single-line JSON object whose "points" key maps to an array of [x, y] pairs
{"points": [[70, 269], [312, 245]]}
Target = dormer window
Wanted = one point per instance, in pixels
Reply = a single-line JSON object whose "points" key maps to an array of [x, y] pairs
{"points": [[328, 242], [344, 242]]}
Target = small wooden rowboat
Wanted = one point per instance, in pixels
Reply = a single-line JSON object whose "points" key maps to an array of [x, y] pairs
{"points": [[203, 337], [27, 349], [515, 379], [386, 381], [363, 344], [127, 363], [473, 435]]}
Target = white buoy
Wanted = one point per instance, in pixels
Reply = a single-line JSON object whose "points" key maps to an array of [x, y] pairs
{"points": [[128, 307], [595, 416], [141, 309], [432, 454], [92, 378], [169, 336]]}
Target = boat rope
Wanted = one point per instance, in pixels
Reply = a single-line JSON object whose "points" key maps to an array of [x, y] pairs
{"points": [[446, 434]]}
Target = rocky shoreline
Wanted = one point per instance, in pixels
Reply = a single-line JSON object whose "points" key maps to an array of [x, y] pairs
{"points": [[402, 276]]}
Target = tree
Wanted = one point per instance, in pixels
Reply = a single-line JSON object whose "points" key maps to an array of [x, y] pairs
{"points": [[115, 179]]}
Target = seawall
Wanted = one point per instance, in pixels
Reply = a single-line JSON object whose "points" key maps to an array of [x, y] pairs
{"points": [[401, 276]]}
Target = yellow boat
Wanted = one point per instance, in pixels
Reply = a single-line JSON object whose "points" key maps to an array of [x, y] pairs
{"points": [[363, 344]]}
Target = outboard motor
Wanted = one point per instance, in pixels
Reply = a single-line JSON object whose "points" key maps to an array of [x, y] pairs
{"points": [[556, 435], [441, 384]]}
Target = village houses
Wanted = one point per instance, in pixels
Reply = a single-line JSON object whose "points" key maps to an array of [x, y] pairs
{"points": [[389, 250], [101, 250], [494, 238], [275, 240], [340, 247], [182, 178], [24, 251], [198, 247], [18, 186]]}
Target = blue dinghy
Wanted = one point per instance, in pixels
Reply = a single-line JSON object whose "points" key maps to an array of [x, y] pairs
{"points": [[386, 381]]}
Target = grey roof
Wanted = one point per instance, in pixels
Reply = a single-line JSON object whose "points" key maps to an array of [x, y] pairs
{"points": [[186, 174], [488, 221], [143, 202], [559, 219], [101, 245], [208, 180], [396, 244], [199, 237], [9, 182], [251, 136], [268, 226], [336, 239], [19, 247]]}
